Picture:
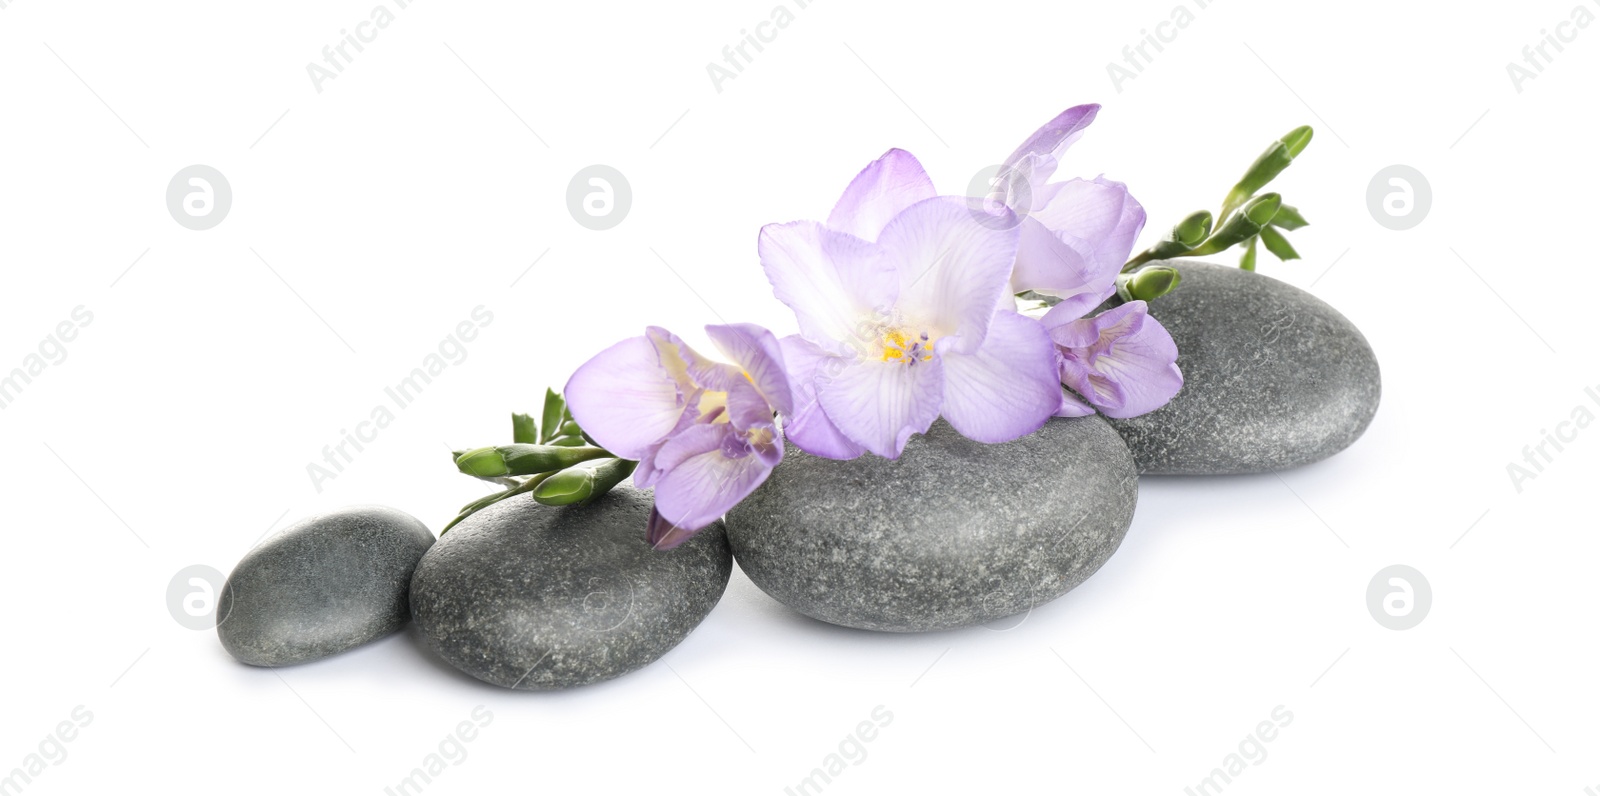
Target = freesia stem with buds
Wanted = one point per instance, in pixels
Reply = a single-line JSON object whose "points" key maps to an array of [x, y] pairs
{"points": [[1244, 219], [545, 464]]}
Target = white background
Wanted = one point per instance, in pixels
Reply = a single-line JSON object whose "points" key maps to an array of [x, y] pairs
{"points": [[374, 216]]}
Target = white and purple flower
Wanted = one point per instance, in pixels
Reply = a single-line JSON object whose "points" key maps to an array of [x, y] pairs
{"points": [[703, 432], [1122, 361], [1074, 237], [907, 313], [899, 301], [890, 295]]}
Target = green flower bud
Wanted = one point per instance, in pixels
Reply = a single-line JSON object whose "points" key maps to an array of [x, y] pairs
{"points": [[1152, 282], [579, 484], [1297, 139], [1193, 229], [566, 487], [569, 429], [611, 473], [1243, 225], [523, 459], [483, 463], [1261, 209], [1269, 165]]}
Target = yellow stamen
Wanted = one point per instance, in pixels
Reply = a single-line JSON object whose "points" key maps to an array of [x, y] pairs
{"points": [[894, 346], [897, 347]]}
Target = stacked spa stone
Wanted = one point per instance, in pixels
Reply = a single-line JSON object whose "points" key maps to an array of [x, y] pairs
{"points": [[952, 534]]}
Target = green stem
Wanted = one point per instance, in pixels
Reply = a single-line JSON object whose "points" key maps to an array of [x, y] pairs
{"points": [[489, 500]]}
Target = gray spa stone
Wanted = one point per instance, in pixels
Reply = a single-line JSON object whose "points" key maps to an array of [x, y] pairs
{"points": [[326, 584], [953, 533], [538, 598], [1273, 378]]}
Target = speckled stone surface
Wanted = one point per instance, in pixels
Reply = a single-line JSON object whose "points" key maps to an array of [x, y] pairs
{"points": [[953, 533], [1273, 378], [321, 586], [538, 598]]}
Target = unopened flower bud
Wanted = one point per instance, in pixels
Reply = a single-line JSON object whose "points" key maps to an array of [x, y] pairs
{"points": [[523, 459], [1193, 229], [483, 463], [566, 487], [1297, 139], [1152, 282], [1261, 209]]}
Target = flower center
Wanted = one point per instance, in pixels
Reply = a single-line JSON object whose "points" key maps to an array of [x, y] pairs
{"points": [[900, 347], [713, 406]]}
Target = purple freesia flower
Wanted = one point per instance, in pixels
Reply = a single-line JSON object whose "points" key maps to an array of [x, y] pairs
{"points": [[1074, 237], [1122, 361], [1075, 234], [899, 304], [702, 431]]}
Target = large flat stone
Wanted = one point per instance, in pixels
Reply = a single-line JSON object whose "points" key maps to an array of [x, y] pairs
{"points": [[953, 533]]}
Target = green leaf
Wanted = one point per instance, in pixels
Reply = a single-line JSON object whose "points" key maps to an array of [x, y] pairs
{"points": [[1288, 218], [554, 412], [1278, 244], [1248, 261], [524, 429]]}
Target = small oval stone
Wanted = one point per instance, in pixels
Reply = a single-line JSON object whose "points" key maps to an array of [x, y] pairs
{"points": [[1273, 378], [953, 533], [328, 583], [539, 597]]}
